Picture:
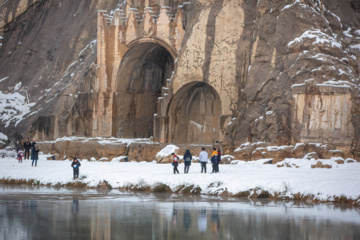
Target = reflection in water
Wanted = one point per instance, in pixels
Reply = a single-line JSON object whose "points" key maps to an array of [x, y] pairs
{"points": [[187, 220], [215, 221], [202, 221], [147, 217], [75, 206]]}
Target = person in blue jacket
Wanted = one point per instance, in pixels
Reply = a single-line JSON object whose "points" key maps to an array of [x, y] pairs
{"points": [[75, 165]]}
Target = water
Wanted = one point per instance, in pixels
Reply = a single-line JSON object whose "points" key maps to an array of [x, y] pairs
{"points": [[47, 213]]}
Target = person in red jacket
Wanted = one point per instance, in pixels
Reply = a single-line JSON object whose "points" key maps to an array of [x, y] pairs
{"points": [[20, 155], [175, 163]]}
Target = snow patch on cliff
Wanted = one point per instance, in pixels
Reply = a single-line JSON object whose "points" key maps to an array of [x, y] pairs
{"points": [[319, 37], [14, 107]]}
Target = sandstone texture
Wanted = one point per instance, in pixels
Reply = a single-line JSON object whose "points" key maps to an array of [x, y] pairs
{"points": [[267, 72]]}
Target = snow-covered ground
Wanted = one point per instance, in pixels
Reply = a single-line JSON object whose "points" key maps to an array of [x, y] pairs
{"points": [[324, 184]]}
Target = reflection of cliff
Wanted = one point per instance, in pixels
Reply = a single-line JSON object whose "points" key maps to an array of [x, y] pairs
{"points": [[100, 216], [102, 220]]}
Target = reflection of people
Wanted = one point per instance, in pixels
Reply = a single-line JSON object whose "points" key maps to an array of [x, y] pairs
{"points": [[174, 215], [215, 221], [75, 206], [187, 160], [187, 220], [75, 165], [202, 221]]}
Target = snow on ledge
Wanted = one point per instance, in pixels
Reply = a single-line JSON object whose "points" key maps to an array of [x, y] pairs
{"points": [[166, 151]]}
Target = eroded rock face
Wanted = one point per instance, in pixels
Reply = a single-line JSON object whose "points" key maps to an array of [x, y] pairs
{"points": [[238, 66]]}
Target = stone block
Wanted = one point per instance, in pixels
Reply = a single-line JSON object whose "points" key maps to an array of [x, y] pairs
{"points": [[298, 151]]}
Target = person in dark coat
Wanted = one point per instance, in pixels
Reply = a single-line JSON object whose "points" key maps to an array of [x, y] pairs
{"points": [[27, 147], [34, 155], [187, 160], [175, 163], [75, 165], [218, 160], [214, 160]]}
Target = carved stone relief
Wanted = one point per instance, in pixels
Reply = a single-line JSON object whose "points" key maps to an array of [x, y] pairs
{"points": [[322, 114]]}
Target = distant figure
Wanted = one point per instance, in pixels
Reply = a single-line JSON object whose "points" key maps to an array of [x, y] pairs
{"points": [[20, 155], [214, 155], [218, 160], [203, 158], [34, 155], [175, 163], [33, 143], [27, 147], [75, 165], [187, 160]]}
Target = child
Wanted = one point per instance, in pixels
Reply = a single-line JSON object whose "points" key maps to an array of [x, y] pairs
{"points": [[175, 163], [20, 155]]}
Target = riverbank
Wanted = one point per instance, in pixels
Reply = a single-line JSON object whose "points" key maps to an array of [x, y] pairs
{"points": [[295, 180]]}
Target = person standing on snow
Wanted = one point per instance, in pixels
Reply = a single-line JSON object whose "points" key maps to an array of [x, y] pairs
{"points": [[187, 160], [34, 155], [75, 165], [33, 143], [214, 160], [218, 160], [203, 158], [27, 147], [175, 163], [20, 155]]}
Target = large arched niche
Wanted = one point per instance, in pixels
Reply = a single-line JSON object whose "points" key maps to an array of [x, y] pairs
{"points": [[194, 114], [141, 76]]}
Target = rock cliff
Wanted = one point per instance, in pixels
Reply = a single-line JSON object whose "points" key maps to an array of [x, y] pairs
{"points": [[273, 71]]}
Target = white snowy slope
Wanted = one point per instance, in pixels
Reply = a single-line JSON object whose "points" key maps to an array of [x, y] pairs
{"points": [[324, 184]]}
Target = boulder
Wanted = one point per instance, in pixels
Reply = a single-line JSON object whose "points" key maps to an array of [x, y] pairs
{"points": [[317, 165], [298, 151], [144, 152], [244, 152]]}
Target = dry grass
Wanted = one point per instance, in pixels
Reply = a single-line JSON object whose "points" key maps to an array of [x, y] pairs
{"points": [[162, 187]]}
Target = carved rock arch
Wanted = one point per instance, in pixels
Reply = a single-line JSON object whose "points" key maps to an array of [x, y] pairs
{"points": [[140, 81], [194, 114]]}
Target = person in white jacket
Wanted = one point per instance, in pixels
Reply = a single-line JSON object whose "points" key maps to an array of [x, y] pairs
{"points": [[203, 158]]}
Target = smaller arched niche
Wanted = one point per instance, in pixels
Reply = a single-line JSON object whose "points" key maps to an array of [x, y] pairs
{"points": [[141, 77], [194, 114]]}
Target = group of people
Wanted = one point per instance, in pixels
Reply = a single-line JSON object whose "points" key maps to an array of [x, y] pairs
{"points": [[31, 150], [203, 159]]}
